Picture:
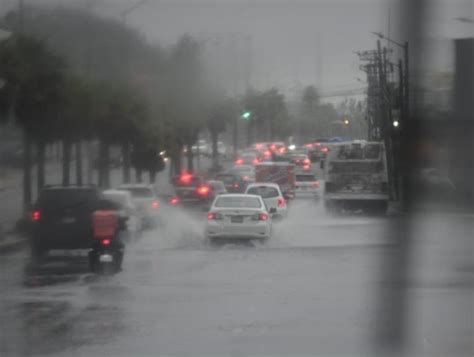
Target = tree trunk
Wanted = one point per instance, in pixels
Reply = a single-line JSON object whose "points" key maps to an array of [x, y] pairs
{"points": [[235, 137], [79, 163], [66, 162], [40, 158], [126, 162], [249, 133], [104, 172], [177, 160], [26, 170], [103, 163], [138, 175], [190, 157], [152, 176], [215, 153]]}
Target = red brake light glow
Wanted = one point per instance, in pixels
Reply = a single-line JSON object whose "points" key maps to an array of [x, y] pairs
{"points": [[203, 190], [325, 149], [239, 162], [255, 161], [281, 202], [106, 241], [307, 162], [186, 178], [155, 204], [35, 216], [214, 216], [267, 153], [263, 216], [174, 201]]}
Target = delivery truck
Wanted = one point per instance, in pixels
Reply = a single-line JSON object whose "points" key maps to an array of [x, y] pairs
{"points": [[281, 173]]}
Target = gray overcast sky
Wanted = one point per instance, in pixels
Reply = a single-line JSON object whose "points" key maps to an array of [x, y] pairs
{"points": [[293, 42]]}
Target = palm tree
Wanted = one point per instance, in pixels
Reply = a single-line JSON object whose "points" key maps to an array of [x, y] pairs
{"points": [[34, 77]]}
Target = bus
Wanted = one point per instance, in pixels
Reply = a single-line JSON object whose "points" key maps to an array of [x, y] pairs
{"points": [[356, 177]]}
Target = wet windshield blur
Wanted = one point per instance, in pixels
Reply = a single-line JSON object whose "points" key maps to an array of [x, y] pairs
{"points": [[295, 178]]}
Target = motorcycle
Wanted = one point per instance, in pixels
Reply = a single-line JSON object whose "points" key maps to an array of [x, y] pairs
{"points": [[107, 251]]}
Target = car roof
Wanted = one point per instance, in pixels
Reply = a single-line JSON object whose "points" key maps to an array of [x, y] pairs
{"points": [[261, 184], [135, 185], [238, 195], [117, 192], [69, 187], [242, 167]]}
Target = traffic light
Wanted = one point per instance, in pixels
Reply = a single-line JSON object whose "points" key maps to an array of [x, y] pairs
{"points": [[246, 115], [396, 124]]}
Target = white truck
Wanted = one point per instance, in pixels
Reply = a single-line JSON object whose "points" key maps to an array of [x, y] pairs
{"points": [[356, 177]]}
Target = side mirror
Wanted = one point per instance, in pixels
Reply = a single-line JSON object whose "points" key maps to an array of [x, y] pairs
{"points": [[272, 210], [321, 164]]}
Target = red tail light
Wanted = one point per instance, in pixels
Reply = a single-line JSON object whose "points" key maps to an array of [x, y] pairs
{"points": [[315, 184], [260, 217], [106, 241], [255, 161], [267, 153], [307, 162], [35, 216], [211, 216], [236, 185], [239, 162], [203, 190], [174, 201], [325, 149], [185, 178], [281, 202], [155, 204]]}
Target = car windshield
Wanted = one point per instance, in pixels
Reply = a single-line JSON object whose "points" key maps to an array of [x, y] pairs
{"points": [[65, 198], [227, 179], [263, 191], [305, 178], [117, 198], [238, 202]]}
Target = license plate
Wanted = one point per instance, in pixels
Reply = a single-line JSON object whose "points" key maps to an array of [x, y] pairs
{"points": [[106, 258], [237, 219], [68, 220]]}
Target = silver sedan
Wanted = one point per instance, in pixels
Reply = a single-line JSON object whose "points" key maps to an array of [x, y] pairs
{"points": [[238, 216]]}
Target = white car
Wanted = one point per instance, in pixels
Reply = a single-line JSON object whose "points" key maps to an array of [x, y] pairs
{"points": [[146, 201], [307, 185], [127, 209], [271, 195], [238, 216]]}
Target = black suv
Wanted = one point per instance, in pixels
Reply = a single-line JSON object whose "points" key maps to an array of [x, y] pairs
{"points": [[62, 218]]}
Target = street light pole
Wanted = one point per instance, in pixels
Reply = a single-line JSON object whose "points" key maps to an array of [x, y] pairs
{"points": [[406, 83]]}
